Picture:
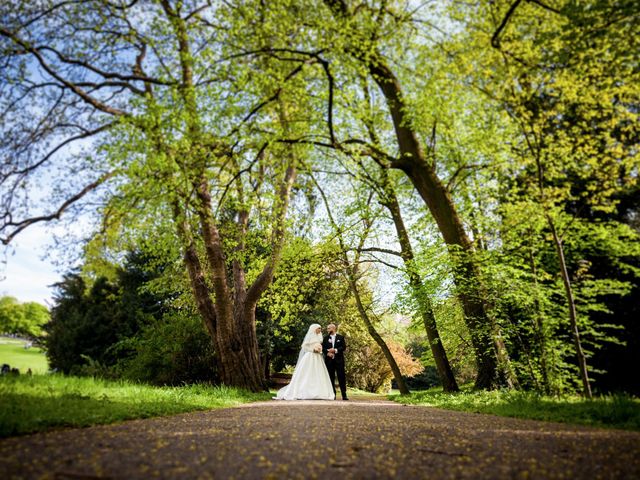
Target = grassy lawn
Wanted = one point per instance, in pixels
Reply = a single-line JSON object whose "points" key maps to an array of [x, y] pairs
{"points": [[610, 411], [12, 351], [42, 402]]}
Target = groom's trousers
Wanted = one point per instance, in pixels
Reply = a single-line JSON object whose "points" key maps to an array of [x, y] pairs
{"points": [[337, 367]]}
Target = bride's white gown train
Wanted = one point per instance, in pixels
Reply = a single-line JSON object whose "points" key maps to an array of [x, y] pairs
{"points": [[310, 379]]}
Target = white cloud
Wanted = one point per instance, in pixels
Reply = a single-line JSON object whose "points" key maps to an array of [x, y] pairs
{"points": [[26, 275]]}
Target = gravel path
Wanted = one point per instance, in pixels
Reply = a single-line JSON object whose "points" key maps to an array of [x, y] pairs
{"points": [[356, 439]]}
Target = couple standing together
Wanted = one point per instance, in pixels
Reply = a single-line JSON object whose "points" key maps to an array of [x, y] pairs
{"points": [[319, 362]]}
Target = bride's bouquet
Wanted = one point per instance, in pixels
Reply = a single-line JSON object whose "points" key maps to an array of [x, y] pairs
{"points": [[317, 347]]}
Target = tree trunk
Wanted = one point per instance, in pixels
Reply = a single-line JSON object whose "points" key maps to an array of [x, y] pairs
{"points": [[445, 372], [397, 375], [564, 273], [351, 273], [573, 317], [231, 318], [235, 333], [197, 278], [414, 164], [236, 349], [466, 273], [239, 352]]}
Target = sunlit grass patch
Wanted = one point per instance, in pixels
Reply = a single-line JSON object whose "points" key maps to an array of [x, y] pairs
{"points": [[615, 411], [12, 352], [40, 402]]}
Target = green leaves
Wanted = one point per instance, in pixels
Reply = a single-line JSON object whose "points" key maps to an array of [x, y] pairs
{"points": [[25, 319]]}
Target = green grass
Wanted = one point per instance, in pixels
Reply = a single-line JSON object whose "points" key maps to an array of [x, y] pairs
{"points": [[12, 351], [608, 411], [42, 402]]}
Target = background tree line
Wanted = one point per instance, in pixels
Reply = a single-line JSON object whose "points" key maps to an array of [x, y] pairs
{"points": [[25, 319]]}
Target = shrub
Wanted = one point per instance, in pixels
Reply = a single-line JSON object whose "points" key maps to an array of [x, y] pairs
{"points": [[176, 350]]}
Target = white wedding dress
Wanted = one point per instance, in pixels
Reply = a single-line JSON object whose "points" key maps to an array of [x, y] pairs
{"points": [[310, 379]]}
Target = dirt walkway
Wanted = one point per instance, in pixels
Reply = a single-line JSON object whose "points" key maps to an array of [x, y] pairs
{"points": [[357, 439]]}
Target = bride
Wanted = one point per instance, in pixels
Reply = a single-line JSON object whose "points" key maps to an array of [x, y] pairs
{"points": [[310, 380]]}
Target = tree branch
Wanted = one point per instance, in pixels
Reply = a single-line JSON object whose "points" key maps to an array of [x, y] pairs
{"points": [[70, 85], [247, 169], [495, 39], [545, 6], [21, 225], [29, 168], [264, 278], [136, 77], [381, 250], [459, 170], [272, 98]]}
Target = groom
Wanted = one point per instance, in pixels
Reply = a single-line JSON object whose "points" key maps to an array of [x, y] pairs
{"points": [[333, 347]]}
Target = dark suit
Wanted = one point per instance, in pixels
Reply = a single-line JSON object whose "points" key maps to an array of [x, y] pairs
{"points": [[336, 365]]}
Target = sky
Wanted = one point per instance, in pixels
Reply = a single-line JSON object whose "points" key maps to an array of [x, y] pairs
{"points": [[27, 275]]}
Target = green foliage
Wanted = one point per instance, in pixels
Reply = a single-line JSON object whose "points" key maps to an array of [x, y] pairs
{"points": [[303, 273], [568, 154], [455, 338], [366, 366], [43, 402], [306, 289], [172, 351], [24, 319], [601, 256], [616, 411], [86, 324]]}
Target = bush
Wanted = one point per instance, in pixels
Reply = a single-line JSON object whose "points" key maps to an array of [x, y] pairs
{"points": [[174, 351], [367, 367], [85, 324]]}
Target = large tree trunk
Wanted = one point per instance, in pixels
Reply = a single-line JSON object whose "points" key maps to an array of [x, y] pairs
{"points": [[239, 351], [414, 164], [235, 336], [236, 348], [233, 327], [230, 319], [445, 372], [466, 273]]}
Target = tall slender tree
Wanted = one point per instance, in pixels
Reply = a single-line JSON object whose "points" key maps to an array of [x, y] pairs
{"points": [[360, 28], [353, 275], [575, 117]]}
